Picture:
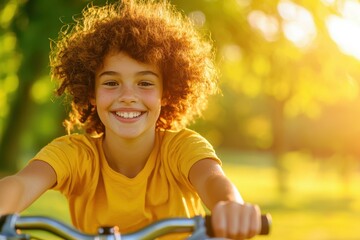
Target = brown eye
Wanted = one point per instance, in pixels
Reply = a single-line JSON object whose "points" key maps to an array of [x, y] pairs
{"points": [[110, 83], [146, 84]]}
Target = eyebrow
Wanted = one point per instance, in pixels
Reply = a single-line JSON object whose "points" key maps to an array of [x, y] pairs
{"points": [[141, 73]]}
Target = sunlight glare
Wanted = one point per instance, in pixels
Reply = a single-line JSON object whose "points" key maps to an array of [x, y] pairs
{"points": [[243, 3], [266, 24], [232, 52], [298, 24], [198, 18], [345, 30], [328, 2]]}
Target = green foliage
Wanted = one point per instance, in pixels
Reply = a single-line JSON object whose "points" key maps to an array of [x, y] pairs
{"points": [[284, 76], [26, 27]]}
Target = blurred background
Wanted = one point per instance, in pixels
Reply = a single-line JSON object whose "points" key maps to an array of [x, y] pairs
{"points": [[285, 124]]}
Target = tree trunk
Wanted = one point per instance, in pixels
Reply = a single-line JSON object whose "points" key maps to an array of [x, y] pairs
{"points": [[279, 148]]}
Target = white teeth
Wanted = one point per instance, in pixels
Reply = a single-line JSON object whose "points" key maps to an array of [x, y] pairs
{"points": [[128, 114]]}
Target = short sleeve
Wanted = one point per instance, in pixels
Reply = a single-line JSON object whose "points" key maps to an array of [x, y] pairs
{"points": [[188, 147], [69, 156]]}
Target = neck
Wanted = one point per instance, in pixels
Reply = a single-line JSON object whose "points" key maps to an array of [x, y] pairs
{"points": [[128, 156]]}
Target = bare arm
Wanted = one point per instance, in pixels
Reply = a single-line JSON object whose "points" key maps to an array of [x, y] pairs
{"points": [[18, 191], [231, 217], [211, 183]]}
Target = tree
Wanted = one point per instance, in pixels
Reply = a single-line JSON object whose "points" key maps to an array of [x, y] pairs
{"points": [[281, 54], [30, 24]]}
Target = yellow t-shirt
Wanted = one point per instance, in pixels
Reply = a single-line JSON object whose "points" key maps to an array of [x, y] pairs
{"points": [[99, 196]]}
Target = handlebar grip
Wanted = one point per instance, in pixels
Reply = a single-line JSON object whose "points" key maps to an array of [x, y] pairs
{"points": [[266, 222]]}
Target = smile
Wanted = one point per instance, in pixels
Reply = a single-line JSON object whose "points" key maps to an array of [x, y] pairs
{"points": [[128, 115]]}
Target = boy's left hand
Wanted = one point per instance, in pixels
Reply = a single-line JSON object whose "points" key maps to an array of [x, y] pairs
{"points": [[236, 220]]}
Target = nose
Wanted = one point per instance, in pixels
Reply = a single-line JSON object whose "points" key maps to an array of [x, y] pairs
{"points": [[127, 94]]}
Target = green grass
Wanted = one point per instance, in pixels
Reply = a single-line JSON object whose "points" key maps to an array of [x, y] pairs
{"points": [[321, 202]]}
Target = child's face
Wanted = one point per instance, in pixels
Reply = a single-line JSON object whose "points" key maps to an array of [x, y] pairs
{"points": [[128, 96]]}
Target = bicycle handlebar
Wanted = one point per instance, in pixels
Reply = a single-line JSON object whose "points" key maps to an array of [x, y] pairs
{"points": [[198, 226]]}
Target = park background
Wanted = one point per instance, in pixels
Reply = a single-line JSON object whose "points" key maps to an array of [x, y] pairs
{"points": [[285, 125]]}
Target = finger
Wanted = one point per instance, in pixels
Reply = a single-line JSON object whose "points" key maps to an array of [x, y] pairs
{"points": [[244, 224], [255, 221], [233, 213], [218, 220]]}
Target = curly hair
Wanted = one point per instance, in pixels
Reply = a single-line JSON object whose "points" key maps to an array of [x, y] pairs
{"points": [[150, 32]]}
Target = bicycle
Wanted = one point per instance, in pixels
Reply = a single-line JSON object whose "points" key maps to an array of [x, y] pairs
{"points": [[199, 227]]}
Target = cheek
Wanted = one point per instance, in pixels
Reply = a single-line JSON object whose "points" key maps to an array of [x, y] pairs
{"points": [[154, 101], [102, 98]]}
